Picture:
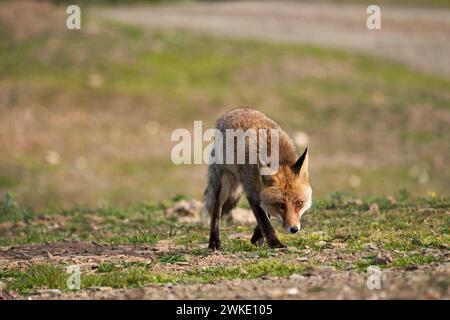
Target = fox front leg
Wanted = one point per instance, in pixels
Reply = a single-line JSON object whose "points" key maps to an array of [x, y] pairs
{"points": [[258, 237], [265, 225], [214, 242]]}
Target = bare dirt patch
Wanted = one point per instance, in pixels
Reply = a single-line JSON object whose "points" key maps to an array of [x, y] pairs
{"points": [[74, 252]]}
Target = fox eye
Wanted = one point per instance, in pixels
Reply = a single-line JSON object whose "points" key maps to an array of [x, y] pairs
{"points": [[299, 204], [280, 206]]}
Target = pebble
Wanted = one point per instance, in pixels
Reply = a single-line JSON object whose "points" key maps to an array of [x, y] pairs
{"points": [[292, 291], [326, 268], [102, 289], [49, 291]]}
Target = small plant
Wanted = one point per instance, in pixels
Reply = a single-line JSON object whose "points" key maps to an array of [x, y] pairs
{"points": [[143, 237], [414, 260], [106, 267], [35, 277], [9, 210], [172, 258], [238, 245], [200, 252]]}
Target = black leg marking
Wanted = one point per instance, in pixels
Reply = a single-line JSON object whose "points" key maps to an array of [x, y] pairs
{"points": [[257, 238], [214, 238], [265, 225]]}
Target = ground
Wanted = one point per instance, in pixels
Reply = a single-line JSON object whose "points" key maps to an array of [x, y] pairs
{"points": [[408, 239], [85, 170]]}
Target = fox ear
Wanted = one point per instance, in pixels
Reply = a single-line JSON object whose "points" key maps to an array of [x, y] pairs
{"points": [[301, 166]]}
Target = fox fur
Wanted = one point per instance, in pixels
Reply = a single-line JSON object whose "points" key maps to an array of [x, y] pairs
{"points": [[286, 194]]}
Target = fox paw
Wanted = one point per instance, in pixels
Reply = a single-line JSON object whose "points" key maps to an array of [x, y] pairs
{"points": [[214, 245], [275, 243], [257, 237], [257, 241]]}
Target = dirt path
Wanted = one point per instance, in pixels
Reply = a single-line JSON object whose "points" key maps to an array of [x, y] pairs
{"points": [[419, 37]]}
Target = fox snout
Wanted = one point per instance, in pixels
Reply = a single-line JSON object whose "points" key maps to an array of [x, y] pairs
{"points": [[293, 229], [292, 226]]}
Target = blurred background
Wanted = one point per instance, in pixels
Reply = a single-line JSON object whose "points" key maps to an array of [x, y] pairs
{"points": [[86, 115]]}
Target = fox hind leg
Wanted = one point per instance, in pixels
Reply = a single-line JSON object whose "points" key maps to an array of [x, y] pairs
{"points": [[212, 206], [220, 198]]}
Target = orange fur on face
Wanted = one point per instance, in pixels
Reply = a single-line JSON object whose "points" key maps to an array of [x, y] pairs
{"points": [[286, 195]]}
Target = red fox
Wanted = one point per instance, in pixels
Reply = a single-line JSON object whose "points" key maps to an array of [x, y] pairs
{"points": [[286, 194]]}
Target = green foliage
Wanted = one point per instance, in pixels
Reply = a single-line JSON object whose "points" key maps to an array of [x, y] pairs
{"points": [[38, 276], [403, 229], [106, 267], [172, 258], [206, 75]]}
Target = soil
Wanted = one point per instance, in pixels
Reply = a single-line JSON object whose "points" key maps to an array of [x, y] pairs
{"points": [[426, 282], [324, 282]]}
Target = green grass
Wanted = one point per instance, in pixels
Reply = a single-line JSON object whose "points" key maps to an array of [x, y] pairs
{"points": [[340, 225], [172, 78], [54, 277], [407, 224], [414, 260], [106, 267], [408, 261], [108, 275], [172, 258], [37, 276], [370, 120], [238, 245], [144, 223]]}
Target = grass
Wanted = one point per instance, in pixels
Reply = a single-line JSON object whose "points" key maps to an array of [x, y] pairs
{"points": [[155, 82], [144, 223], [410, 231], [54, 277], [414, 260], [405, 224], [108, 275], [85, 127], [172, 258], [37, 276], [408, 261]]}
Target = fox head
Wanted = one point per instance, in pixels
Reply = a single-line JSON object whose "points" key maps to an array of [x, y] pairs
{"points": [[287, 194]]}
